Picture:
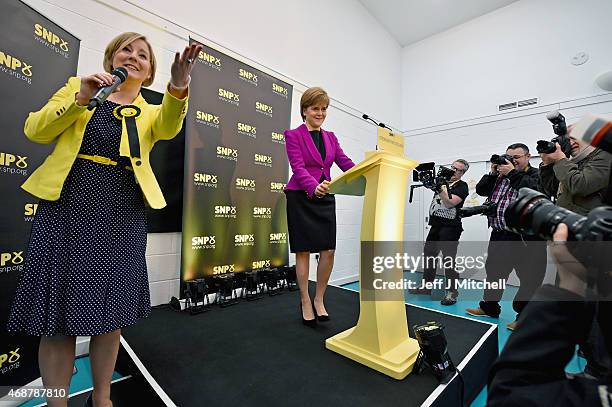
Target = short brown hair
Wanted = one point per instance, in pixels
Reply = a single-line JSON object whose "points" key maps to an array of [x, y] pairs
{"points": [[121, 41], [311, 97]]}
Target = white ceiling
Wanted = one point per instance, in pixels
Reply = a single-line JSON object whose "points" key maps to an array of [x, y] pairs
{"points": [[410, 21]]}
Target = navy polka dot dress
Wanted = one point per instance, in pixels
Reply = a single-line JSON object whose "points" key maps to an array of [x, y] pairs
{"points": [[85, 271]]}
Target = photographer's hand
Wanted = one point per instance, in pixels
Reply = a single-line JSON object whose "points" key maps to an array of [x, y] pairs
{"points": [[557, 155], [505, 168], [572, 274], [494, 169]]}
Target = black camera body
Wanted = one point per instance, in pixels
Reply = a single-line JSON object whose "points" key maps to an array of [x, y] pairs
{"points": [[486, 209], [501, 159], [425, 173], [560, 129], [532, 213]]}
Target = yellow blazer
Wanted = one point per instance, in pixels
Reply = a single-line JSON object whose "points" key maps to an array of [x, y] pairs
{"points": [[63, 121]]}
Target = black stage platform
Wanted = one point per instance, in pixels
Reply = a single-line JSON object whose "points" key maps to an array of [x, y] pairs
{"points": [[259, 353]]}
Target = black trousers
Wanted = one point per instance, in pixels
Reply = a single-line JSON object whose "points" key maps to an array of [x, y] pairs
{"points": [[443, 239], [506, 252]]}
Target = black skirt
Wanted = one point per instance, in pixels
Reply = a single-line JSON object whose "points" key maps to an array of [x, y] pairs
{"points": [[311, 222]]}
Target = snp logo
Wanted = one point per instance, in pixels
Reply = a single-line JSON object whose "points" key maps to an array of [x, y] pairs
{"points": [[29, 210], [277, 187], [13, 66], [278, 238], [226, 268], [260, 264], [225, 211], [265, 160], [7, 160], [11, 261], [247, 76], [262, 212], [245, 184], [263, 108], [227, 153], [210, 60], [229, 97], [278, 138], [244, 240], [202, 242], [280, 90], [208, 119], [51, 39], [9, 361], [201, 179], [247, 129]]}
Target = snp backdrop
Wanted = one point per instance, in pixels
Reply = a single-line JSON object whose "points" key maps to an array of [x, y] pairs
{"points": [[36, 59], [235, 168]]}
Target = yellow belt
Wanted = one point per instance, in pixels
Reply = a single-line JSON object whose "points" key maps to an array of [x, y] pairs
{"points": [[100, 160]]}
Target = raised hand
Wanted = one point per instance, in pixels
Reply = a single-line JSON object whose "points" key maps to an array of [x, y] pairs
{"points": [[183, 65]]}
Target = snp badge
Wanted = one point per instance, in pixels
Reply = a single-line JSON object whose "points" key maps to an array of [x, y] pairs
{"points": [[127, 111]]}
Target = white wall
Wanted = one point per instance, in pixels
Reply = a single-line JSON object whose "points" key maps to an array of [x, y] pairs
{"points": [[520, 51], [334, 44]]}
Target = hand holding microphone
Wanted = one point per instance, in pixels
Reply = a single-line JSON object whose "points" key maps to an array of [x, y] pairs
{"points": [[97, 87]]}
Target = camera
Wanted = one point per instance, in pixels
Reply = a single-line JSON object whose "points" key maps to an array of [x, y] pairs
{"points": [[532, 213], [487, 209], [560, 129], [500, 159], [425, 174]]}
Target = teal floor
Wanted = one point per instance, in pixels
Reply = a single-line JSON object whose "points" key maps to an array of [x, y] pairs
{"points": [[507, 315]]}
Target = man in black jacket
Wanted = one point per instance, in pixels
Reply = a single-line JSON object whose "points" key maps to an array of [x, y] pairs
{"points": [[507, 250], [531, 369]]}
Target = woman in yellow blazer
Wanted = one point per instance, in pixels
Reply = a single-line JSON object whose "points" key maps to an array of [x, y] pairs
{"points": [[85, 272]]}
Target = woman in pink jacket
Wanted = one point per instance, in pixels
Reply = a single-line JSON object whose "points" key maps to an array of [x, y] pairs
{"points": [[311, 210]]}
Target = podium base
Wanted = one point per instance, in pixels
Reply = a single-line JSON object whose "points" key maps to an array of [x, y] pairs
{"points": [[397, 363]]}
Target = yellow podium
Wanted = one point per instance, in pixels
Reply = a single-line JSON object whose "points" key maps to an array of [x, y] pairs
{"points": [[380, 339]]}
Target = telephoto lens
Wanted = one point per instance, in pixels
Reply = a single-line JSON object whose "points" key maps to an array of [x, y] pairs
{"points": [[533, 214]]}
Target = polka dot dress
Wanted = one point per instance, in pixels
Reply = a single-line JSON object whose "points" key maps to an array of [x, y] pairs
{"points": [[85, 271]]}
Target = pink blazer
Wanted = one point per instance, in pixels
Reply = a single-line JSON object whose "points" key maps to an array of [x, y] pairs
{"points": [[306, 162]]}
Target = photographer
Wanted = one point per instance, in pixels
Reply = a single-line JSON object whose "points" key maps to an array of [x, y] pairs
{"points": [[578, 182], [445, 231], [509, 251], [531, 368]]}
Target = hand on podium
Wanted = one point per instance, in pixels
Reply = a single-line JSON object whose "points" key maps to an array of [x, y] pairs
{"points": [[322, 189]]}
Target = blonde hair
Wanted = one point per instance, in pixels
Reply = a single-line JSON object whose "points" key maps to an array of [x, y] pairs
{"points": [[313, 96], [121, 41]]}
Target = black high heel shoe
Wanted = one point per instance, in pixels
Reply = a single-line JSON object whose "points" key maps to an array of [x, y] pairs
{"points": [[320, 318], [308, 322]]}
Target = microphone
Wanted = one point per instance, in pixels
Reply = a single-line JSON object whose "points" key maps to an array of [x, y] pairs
{"points": [[120, 74], [365, 116]]}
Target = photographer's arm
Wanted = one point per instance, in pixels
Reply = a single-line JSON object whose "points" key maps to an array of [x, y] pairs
{"points": [[458, 195], [524, 179], [486, 184], [593, 177], [549, 184]]}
